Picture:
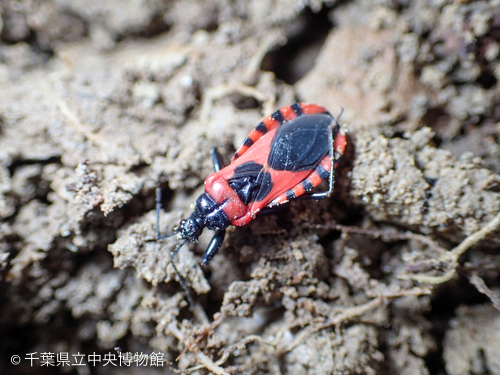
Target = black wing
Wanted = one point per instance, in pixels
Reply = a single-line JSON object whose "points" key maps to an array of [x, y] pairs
{"points": [[300, 144]]}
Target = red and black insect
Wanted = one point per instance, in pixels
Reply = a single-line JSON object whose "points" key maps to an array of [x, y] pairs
{"points": [[283, 158]]}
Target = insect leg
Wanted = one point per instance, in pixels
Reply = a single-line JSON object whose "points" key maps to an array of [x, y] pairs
{"points": [[213, 247], [217, 159], [331, 182], [333, 160]]}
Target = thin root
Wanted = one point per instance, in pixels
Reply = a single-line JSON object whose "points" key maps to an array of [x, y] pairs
{"points": [[450, 258], [202, 358], [347, 314], [481, 286]]}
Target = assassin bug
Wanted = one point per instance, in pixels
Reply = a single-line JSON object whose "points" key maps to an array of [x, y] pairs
{"points": [[283, 158]]}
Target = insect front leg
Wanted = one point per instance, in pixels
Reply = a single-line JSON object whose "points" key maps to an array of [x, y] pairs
{"points": [[213, 246]]}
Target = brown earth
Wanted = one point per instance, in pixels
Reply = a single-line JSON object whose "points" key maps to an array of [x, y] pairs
{"points": [[100, 101]]}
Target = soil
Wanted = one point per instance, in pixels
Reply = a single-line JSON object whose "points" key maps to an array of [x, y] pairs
{"points": [[103, 101]]}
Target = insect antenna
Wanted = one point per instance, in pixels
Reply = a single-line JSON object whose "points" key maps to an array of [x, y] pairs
{"points": [[158, 209], [163, 236], [181, 279], [174, 253], [339, 115]]}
